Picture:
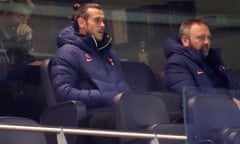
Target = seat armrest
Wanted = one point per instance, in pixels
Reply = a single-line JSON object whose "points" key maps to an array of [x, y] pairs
{"points": [[65, 114], [68, 113], [206, 142], [231, 136], [174, 105], [169, 128]]}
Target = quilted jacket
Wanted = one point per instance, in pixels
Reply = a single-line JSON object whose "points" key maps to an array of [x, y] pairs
{"points": [[190, 68], [86, 70]]}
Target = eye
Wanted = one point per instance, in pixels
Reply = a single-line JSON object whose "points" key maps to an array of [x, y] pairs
{"points": [[203, 37], [22, 16], [98, 20]]}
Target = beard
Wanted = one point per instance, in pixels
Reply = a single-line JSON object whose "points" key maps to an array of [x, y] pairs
{"points": [[204, 48]]}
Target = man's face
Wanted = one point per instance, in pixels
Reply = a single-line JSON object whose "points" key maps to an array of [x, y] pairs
{"points": [[18, 18], [199, 38], [94, 25]]}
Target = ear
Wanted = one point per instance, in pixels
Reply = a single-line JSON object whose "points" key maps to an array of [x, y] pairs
{"points": [[185, 41], [81, 22]]}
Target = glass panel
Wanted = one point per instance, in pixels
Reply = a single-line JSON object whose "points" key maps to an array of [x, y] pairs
{"points": [[210, 114], [132, 23], [138, 28]]}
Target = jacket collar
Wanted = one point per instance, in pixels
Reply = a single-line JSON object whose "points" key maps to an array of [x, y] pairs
{"points": [[103, 45]]}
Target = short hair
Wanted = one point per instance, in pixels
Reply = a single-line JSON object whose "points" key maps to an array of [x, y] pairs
{"points": [[186, 26]]}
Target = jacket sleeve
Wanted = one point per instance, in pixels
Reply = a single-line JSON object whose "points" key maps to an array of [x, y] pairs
{"points": [[64, 74], [178, 76]]}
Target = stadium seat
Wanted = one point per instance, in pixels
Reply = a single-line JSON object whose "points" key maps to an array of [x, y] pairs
{"points": [[174, 105], [143, 113], [140, 76], [68, 113], [213, 119], [142, 79], [19, 136]]}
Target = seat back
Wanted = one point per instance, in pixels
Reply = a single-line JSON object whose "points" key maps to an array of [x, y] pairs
{"points": [[139, 111], [68, 113], [139, 76], [174, 105], [20, 137], [208, 116], [46, 82], [144, 113]]}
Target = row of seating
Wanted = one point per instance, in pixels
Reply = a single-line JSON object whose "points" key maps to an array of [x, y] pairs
{"points": [[211, 120], [211, 117], [139, 111], [71, 113], [152, 109]]}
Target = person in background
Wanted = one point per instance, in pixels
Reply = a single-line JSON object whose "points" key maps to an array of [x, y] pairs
{"points": [[191, 62], [15, 45], [15, 33], [85, 67]]}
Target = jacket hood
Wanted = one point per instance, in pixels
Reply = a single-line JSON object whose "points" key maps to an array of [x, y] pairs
{"points": [[174, 46], [69, 36]]}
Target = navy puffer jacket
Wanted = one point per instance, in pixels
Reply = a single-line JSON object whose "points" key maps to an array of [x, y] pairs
{"points": [[87, 70], [189, 68]]}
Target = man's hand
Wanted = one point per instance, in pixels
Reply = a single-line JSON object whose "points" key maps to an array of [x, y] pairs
{"points": [[237, 102], [24, 32]]}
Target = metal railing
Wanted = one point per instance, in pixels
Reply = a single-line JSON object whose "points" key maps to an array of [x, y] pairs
{"points": [[90, 132]]}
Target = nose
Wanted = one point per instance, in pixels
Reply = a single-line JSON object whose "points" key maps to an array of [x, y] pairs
{"points": [[102, 24], [207, 40], [25, 20]]}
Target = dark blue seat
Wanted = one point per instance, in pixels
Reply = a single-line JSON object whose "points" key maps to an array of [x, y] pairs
{"points": [[142, 79], [212, 118], [20, 136], [140, 76], [68, 113], [139, 112]]}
